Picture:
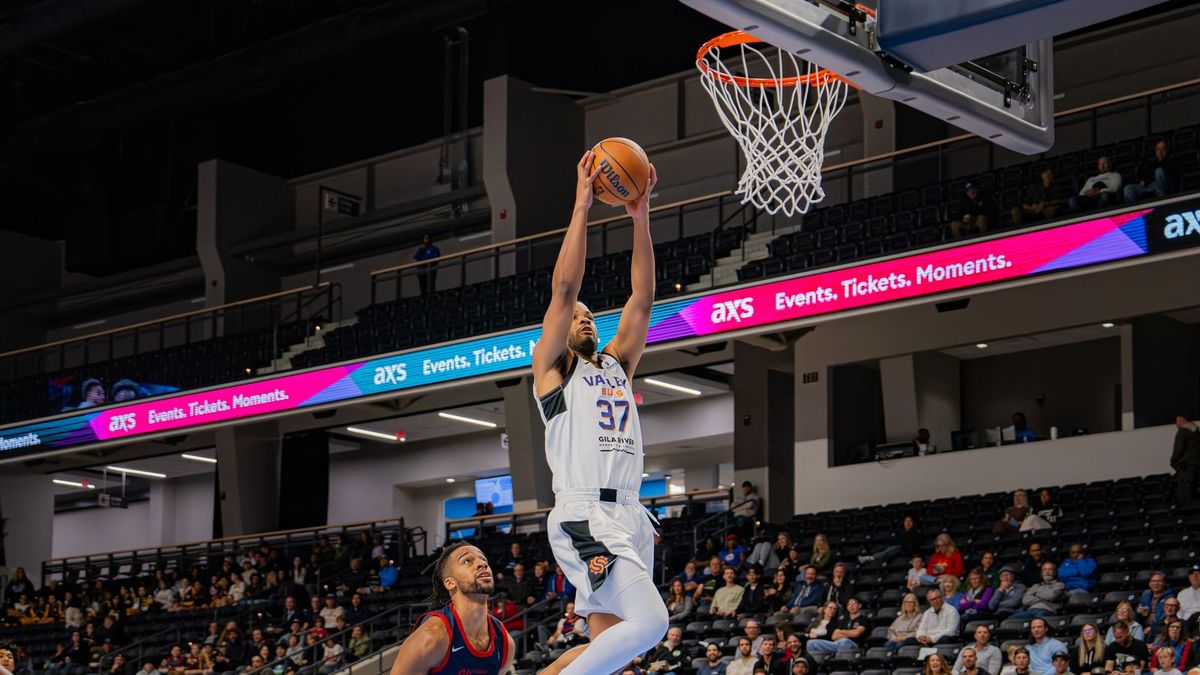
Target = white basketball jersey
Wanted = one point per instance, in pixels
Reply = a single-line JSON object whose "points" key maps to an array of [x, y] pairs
{"points": [[593, 436]]}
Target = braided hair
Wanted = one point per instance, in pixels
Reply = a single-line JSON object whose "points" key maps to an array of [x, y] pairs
{"points": [[440, 596]]}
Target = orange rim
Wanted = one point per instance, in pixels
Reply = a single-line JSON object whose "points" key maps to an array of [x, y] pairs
{"points": [[740, 37]]}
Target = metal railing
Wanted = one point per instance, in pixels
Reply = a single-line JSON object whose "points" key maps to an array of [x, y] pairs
{"points": [[537, 517], [146, 560], [321, 303], [949, 159]]}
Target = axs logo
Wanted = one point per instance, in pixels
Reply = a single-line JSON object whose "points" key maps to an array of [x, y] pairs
{"points": [[733, 310], [1182, 224], [125, 422], [393, 374]]}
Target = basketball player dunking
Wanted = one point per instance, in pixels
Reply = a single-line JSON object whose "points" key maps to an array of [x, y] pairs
{"points": [[600, 534], [461, 638]]}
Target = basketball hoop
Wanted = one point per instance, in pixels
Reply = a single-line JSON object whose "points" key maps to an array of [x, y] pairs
{"points": [[778, 118]]}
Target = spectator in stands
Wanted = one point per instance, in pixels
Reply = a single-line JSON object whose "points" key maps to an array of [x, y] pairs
{"points": [[977, 212], [166, 595], [947, 559], [950, 593], [743, 660], [824, 623], [849, 635], [968, 663], [679, 603], [1047, 507], [1089, 649], [1156, 177], [559, 586], [1044, 598], [8, 658], [1170, 613], [357, 612], [726, 599], [916, 572], [839, 589], [520, 587], [734, 553], [1165, 657], [1061, 664], [1174, 637], [570, 630], [1042, 200], [690, 577], [808, 592], [935, 664], [515, 557], [1078, 571], [1125, 649], [1189, 598], [359, 644], [762, 554], [783, 544], [1185, 460], [1019, 658], [119, 666], [331, 658], [427, 274], [506, 610], [987, 564], [922, 445], [905, 542], [174, 660], [778, 591], [1031, 566], [800, 666], [712, 661], [769, 661], [1042, 647], [19, 585], [747, 508], [754, 631], [904, 626], [1013, 515], [938, 624], [712, 581], [793, 646], [332, 610], [1007, 597], [1151, 605], [974, 600], [1021, 431], [822, 555], [1101, 190], [92, 394], [1124, 612], [986, 655], [754, 597], [793, 564]]}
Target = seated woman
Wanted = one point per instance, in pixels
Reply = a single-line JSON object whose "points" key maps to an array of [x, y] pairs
{"points": [[1089, 651], [991, 571], [679, 602], [1175, 637], [949, 585], [825, 622], [904, 626], [1013, 515], [822, 555], [1047, 507], [946, 559], [778, 591], [1124, 612], [976, 596]]}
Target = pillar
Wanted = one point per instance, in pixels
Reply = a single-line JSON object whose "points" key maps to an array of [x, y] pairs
{"points": [[764, 432], [899, 383], [248, 458], [1165, 370], [879, 136], [27, 506], [532, 482], [162, 512], [234, 205], [531, 143]]}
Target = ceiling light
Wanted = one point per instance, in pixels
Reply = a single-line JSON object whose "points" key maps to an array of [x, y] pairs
{"points": [[137, 472], [672, 387], [981, 345], [1108, 324], [198, 458], [71, 483], [337, 268], [391, 438], [449, 480], [467, 420]]}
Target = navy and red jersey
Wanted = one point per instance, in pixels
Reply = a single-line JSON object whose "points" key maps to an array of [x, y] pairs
{"points": [[463, 659]]}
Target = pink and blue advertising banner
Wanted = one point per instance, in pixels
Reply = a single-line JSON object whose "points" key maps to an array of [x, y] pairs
{"points": [[972, 264]]}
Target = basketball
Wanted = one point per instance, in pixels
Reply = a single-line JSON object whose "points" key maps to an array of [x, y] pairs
{"points": [[624, 170]]}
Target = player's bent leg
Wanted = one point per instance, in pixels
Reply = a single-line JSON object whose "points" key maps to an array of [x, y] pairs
{"points": [[643, 622], [598, 622]]}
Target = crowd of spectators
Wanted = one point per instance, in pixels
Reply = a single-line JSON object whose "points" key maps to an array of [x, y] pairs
{"points": [[297, 616]]}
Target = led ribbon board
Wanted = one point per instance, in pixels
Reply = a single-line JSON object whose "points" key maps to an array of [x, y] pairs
{"points": [[1115, 237]]}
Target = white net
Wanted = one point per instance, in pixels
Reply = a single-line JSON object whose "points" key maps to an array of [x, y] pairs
{"points": [[778, 108]]}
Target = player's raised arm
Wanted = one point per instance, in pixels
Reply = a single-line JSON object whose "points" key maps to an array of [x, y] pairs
{"points": [[564, 288], [423, 650], [630, 340]]}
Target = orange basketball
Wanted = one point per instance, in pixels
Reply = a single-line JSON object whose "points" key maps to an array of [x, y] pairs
{"points": [[624, 171]]}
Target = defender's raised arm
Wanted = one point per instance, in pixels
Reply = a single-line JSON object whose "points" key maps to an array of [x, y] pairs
{"points": [[564, 290]]}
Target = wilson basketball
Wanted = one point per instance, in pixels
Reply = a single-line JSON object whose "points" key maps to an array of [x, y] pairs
{"points": [[624, 170]]}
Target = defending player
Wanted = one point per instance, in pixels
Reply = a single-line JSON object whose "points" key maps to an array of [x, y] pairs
{"points": [[598, 530], [461, 637]]}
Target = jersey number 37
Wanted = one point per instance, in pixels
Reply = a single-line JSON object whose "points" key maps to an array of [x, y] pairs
{"points": [[608, 418]]}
